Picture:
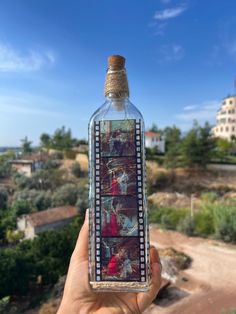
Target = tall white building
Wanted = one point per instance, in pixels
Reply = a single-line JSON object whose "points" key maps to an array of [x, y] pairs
{"points": [[226, 119]]}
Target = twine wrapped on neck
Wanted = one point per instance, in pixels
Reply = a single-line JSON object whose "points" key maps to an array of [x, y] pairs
{"points": [[116, 83]]}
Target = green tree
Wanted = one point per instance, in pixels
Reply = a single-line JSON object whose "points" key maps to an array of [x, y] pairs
{"points": [[62, 139], [198, 146], [223, 147], [3, 198], [172, 136], [65, 195], [28, 200], [154, 128], [26, 145], [45, 140], [5, 168]]}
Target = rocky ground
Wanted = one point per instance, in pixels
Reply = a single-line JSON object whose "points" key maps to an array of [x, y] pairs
{"points": [[208, 286]]}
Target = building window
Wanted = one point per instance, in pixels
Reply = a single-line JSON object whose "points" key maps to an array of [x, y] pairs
{"points": [[216, 130], [229, 111], [221, 129], [232, 128], [230, 102], [227, 129], [232, 111]]}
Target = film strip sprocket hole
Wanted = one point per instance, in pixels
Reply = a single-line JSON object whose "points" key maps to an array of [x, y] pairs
{"points": [[138, 194], [140, 187], [97, 199]]}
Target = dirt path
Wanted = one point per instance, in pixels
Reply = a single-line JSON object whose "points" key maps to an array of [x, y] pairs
{"points": [[211, 285]]}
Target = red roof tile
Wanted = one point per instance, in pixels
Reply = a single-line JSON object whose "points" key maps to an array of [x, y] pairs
{"points": [[52, 215], [152, 134]]}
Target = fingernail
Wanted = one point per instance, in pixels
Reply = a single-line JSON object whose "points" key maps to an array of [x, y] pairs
{"points": [[87, 215]]}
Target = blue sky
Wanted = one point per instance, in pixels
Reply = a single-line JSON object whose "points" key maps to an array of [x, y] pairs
{"points": [[181, 58]]}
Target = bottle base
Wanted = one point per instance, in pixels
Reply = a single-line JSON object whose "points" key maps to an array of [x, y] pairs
{"points": [[108, 286]]}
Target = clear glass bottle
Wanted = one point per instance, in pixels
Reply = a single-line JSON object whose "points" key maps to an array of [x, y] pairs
{"points": [[118, 246]]}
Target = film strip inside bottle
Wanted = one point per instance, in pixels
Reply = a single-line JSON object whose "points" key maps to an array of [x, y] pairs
{"points": [[119, 259]]}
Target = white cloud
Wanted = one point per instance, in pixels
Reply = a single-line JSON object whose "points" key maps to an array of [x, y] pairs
{"points": [[170, 53], [205, 111], [169, 13], [12, 60], [190, 107]]}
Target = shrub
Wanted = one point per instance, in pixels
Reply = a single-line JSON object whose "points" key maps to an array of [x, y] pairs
{"points": [[225, 223], [209, 197], [22, 207], [76, 170], [168, 218], [204, 223], [47, 255], [52, 164], [65, 195], [187, 225], [39, 200]]}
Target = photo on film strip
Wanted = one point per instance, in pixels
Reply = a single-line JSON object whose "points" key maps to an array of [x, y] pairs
{"points": [[119, 216], [120, 259], [118, 176], [117, 138]]}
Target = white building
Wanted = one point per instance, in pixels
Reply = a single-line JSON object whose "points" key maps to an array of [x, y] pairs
{"points": [[50, 219], [29, 164], [155, 140], [226, 119]]}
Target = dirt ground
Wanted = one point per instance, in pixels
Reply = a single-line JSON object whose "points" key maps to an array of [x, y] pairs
{"points": [[208, 286]]}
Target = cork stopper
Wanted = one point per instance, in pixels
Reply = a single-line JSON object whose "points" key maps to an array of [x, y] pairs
{"points": [[116, 80], [116, 62]]}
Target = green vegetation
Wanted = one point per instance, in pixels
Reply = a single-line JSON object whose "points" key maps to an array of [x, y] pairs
{"points": [[26, 146], [76, 170], [47, 256], [61, 140], [215, 219], [196, 148]]}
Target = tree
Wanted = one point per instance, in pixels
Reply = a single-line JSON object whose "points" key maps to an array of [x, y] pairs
{"points": [[172, 136], [154, 128], [62, 139], [3, 198], [5, 169], [29, 200], [172, 145], [223, 147], [198, 146], [65, 195], [26, 145], [45, 140]]}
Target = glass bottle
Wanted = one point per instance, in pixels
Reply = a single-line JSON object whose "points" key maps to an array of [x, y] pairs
{"points": [[118, 229]]}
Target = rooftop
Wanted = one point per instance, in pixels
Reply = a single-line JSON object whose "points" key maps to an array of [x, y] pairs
{"points": [[152, 134], [52, 215]]}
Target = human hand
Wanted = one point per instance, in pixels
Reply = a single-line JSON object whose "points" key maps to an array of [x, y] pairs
{"points": [[79, 298]]}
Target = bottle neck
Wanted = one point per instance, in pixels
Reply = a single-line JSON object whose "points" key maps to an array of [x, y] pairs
{"points": [[118, 102], [116, 84]]}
